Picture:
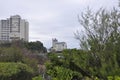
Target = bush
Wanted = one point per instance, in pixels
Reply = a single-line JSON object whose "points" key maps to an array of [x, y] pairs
{"points": [[114, 78], [37, 78], [15, 71]]}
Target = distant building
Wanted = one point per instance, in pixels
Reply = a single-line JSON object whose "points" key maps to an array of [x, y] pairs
{"points": [[14, 28], [58, 46]]}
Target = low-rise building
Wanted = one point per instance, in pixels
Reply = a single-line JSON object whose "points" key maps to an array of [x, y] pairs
{"points": [[58, 46]]}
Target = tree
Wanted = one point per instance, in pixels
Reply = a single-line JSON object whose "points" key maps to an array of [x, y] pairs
{"points": [[36, 46], [102, 40], [32, 46]]}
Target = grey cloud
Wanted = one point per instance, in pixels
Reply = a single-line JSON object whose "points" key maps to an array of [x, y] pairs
{"points": [[52, 18]]}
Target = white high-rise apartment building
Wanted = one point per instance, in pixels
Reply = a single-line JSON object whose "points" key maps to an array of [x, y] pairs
{"points": [[14, 28]]}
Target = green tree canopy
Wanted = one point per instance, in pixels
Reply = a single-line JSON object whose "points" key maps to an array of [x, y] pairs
{"points": [[36, 46]]}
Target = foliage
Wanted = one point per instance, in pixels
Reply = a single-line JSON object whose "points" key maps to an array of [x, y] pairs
{"points": [[37, 78], [36, 46], [102, 41], [61, 73], [100, 49], [65, 65], [11, 54], [5, 44], [13, 71], [114, 78], [33, 63], [32, 46], [16, 54], [22, 52]]}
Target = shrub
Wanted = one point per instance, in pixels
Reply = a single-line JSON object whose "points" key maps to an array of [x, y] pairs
{"points": [[37, 78], [15, 71]]}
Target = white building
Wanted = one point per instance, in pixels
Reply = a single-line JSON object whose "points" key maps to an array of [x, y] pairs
{"points": [[14, 28], [58, 46]]}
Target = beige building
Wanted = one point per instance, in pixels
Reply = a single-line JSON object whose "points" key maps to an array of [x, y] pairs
{"points": [[14, 28], [58, 46]]}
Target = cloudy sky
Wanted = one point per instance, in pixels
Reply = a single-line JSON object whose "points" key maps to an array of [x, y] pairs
{"points": [[52, 18]]}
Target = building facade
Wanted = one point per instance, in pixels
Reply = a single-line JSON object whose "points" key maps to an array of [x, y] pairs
{"points": [[14, 28], [58, 46]]}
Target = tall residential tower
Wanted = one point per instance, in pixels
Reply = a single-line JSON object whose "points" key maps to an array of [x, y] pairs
{"points": [[14, 28]]}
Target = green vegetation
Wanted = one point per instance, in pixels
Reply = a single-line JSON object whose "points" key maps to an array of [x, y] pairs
{"points": [[13, 71], [36, 46], [102, 40], [99, 57], [17, 62], [37, 78], [67, 65], [15, 54]]}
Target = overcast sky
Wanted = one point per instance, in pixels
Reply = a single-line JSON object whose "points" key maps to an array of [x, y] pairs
{"points": [[52, 18]]}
